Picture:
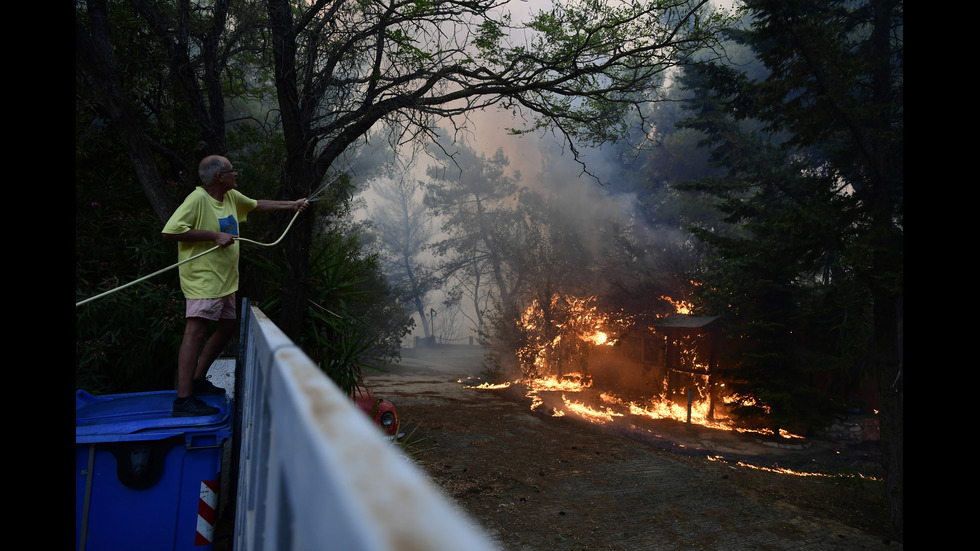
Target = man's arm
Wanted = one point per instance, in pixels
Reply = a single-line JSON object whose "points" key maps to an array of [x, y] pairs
{"points": [[222, 239], [266, 205]]}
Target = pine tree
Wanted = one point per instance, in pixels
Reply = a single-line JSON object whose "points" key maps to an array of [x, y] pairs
{"points": [[814, 189]]}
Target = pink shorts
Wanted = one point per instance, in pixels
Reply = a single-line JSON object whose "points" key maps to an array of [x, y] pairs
{"points": [[212, 308]]}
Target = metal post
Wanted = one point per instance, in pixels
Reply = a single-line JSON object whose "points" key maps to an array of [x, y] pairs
{"points": [[689, 398]]}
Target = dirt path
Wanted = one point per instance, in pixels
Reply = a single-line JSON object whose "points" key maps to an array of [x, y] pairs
{"points": [[537, 482]]}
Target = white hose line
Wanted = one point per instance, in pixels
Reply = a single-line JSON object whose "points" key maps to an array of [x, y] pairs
{"points": [[186, 260]]}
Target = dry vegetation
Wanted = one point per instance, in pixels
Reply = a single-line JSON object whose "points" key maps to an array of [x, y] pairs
{"points": [[540, 482]]}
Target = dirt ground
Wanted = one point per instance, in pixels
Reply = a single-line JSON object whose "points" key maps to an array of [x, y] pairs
{"points": [[539, 482]]}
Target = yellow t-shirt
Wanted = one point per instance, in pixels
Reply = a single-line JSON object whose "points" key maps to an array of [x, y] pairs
{"points": [[216, 273]]}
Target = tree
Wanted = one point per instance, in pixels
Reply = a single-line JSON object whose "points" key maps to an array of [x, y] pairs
{"points": [[475, 198], [136, 91], [171, 82], [157, 73], [342, 67], [774, 279], [831, 109], [405, 227]]}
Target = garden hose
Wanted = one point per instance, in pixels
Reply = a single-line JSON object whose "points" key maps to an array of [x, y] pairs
{"points": [[315, 196], [186, 260]]}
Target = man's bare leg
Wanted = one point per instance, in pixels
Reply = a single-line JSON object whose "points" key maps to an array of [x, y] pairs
{"points": [[212, 349], [187, 357]]}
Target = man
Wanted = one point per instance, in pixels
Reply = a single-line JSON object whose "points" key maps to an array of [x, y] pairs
{"points": [[210, 215]]}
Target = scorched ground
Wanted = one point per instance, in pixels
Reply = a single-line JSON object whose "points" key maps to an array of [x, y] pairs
{"points": [[540, 482]]}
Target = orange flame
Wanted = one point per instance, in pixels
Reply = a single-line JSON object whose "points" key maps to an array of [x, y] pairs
{"points": [[561, 336], [680, 306]]}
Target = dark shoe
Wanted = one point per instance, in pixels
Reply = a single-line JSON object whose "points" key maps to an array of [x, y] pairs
{"points": [[205, 387], [192, 406]]}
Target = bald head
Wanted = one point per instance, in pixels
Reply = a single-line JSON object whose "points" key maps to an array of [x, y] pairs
{"points": [[210, 167]]}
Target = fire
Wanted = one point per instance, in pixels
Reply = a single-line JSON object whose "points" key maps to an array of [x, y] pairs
{"points": [[490, 386], [609, 367], [575, 359], [559, 333], [485, 386], [680, 306], [598, 338], [784, 470], [573, 382], [567, 337], [589, 413]]}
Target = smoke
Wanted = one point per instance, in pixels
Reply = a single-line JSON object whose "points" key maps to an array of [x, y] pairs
{"points": [[594, 193], [582, 187]]}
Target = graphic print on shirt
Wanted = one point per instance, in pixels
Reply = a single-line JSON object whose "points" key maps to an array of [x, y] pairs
{"points": [[228, 225]]}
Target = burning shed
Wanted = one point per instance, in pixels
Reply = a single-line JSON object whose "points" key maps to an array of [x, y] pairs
{"points": [[691, 354], [659, 366], [668, 357]]}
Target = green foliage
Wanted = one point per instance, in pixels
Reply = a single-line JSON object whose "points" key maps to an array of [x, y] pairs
{"points": [[258, 154], [402, 49], [633, 42], [409, 444], [354, 320], [187, 69], [488, 36], [128, 340], [802, 190], [778, 282]]}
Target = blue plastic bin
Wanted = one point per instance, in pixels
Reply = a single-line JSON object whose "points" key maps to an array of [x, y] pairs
{"points": [[144, 479]]}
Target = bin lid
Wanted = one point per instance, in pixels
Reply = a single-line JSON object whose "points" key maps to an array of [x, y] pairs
{"points": [[142, 416]]}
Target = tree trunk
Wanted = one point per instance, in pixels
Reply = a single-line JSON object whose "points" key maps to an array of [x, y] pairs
{"points": [[294, 280], [93, 54], [298, 243], [293, 301], [886, 280], [891, 394]]}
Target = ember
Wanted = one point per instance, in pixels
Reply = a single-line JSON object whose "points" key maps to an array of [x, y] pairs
{"points": [[485, 386], [783, 470]]}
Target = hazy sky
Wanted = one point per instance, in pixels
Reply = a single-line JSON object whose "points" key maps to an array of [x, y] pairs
{"points": [[487, 131], [490, 127]]}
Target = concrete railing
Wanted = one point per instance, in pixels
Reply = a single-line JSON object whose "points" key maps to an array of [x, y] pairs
{"points": [[315, 474]]}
